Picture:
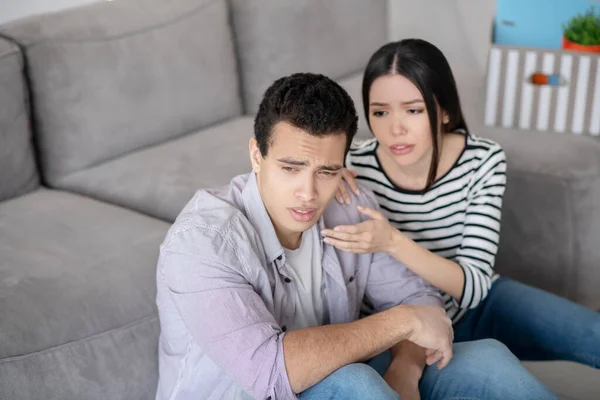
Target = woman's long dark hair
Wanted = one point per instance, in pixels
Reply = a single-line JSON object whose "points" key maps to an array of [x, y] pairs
{"points": [[426, 67]]}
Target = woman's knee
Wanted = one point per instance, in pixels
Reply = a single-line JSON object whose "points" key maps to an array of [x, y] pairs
{"points": [[483, 369]]}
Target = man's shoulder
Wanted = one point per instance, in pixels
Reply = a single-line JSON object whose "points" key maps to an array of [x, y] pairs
{"points": [[211, 219], [348, 214]]}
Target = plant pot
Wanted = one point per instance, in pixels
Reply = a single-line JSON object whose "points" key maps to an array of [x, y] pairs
{"points": [[568, 45]]}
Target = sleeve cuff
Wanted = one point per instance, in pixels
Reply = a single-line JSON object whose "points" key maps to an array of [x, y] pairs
{"points": [[282, 390], [425, 301]]}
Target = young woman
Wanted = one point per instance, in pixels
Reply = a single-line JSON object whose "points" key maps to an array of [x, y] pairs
{"points": [[440, 191]]}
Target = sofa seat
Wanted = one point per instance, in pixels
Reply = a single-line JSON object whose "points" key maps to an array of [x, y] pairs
{"points": [[77, 294], [569, 380], [160, 180]]}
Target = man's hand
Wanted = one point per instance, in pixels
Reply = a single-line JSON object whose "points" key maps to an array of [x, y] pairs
{"points": [[432, 330]]}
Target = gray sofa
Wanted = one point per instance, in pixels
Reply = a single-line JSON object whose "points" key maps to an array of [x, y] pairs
{"points": [[113, 114]]}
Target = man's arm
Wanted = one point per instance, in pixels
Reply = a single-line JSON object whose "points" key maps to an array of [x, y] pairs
{"points": [[313, 353], [229, 320]]}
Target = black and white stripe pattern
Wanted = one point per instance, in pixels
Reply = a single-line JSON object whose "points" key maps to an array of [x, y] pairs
{"points": [[458, 219]]}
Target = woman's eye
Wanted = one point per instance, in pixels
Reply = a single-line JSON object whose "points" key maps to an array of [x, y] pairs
{"points": [[379, 113], [415, 111]]}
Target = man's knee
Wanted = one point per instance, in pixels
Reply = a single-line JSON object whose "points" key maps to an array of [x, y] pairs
{"points": [[355, 380], [487, 351], [356, 375]]}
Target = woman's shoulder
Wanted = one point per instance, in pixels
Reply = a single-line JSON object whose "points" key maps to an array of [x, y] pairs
{"points": [[480, 143], [359, 149], [483, 150], [361, 146]]}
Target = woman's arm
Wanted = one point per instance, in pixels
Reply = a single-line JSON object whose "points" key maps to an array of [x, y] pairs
{"points": [[377, 235], [467, 277]]}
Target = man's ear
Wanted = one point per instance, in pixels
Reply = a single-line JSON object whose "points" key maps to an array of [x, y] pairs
{"points": [[255, 155]]}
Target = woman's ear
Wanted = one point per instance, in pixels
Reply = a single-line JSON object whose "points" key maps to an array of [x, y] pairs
{"points": [[445, 117], [255, 155]]}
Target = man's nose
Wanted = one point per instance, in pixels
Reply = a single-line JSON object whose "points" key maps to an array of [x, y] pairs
{"points": [[308, 190]]}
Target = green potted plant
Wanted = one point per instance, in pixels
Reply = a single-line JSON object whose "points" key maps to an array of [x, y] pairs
{"points": [[582, 32]]}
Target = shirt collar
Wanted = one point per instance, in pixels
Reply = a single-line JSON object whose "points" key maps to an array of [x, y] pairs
{"points": [[260, 220]]}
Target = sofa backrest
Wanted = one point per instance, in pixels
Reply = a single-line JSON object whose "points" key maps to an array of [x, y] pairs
{"points": [[113, 77], [18, 173], [277, 38]]}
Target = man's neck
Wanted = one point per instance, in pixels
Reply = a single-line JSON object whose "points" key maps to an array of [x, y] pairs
{"points": [[290, 241]]}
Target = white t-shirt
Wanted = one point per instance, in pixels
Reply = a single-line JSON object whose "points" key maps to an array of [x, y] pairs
{"points": [[305, 269]]}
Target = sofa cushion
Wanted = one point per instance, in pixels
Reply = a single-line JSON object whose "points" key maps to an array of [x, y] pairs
{"points": [[553, 185], [18, 172], [77, 294], [159, 181], [108, 79], [569, 380], [276, 38]]}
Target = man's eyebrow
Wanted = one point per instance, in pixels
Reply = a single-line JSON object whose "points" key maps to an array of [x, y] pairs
{"points": [[292, 161], [300, 163], [332, 168]]}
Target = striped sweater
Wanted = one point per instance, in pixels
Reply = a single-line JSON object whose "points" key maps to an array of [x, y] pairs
{"points": [[458, 218]]}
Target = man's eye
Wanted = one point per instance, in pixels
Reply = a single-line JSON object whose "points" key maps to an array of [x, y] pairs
{"points": [[328, 174], [289, 169]]}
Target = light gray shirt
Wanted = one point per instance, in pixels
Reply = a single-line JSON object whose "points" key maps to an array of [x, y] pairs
{"points": [[305, 269], [225, 299]]}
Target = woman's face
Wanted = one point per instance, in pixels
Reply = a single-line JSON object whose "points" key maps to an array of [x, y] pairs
{"points": [[399, 120]]}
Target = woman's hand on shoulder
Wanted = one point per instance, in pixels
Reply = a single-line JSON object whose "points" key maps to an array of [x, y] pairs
{"points": [[342, 196], [371, 236]]}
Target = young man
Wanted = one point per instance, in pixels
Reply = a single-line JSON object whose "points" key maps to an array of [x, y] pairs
{"points": [[253, 304]]}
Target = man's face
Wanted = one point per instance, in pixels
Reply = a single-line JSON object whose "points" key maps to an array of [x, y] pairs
{"points": [[298, 178]]}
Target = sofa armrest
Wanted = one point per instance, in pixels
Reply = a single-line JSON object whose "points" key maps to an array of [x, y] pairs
{"points": [[550, 234]]}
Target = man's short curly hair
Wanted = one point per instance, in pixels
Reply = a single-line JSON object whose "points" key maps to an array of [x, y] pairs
{"points": [[311, 102]]}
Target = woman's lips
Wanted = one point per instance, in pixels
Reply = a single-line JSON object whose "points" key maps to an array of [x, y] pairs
{"points": [[401, 149]]}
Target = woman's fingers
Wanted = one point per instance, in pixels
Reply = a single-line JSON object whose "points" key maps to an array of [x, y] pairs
{"points": [[343, 228], [339, 197], [347, 237], [371, 213], [349, 176], [342, 196], [351, 247]]}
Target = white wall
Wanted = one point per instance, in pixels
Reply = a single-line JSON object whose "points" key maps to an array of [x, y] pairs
{"points": [[14, 9], [461, 29]]}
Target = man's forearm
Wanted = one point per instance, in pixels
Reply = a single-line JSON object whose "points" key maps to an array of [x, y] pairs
{"points": [[313, 353]]}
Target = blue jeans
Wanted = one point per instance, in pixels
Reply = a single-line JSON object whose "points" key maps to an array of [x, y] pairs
{"points": [[483, 369], [535, 325]]}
